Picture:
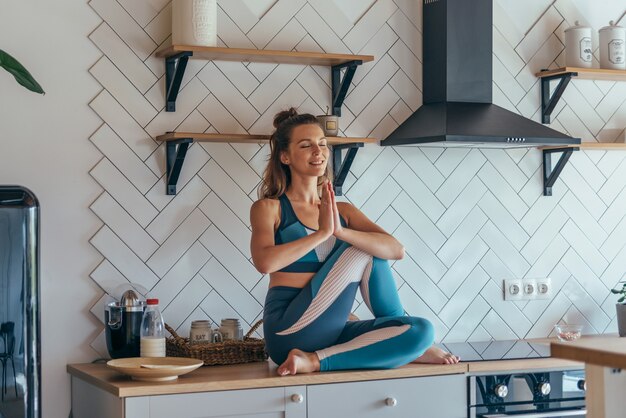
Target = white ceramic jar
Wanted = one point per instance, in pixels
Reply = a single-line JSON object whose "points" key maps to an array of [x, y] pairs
{"points": [[578, 47], [231, 329], [194, 22], [612, 47], [200, 332]]}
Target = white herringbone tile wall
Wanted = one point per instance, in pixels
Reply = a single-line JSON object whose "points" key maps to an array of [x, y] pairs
{"points": [[468, 218]]}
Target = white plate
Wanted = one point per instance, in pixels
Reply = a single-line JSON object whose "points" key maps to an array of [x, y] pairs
{"points": [[155, 369]]}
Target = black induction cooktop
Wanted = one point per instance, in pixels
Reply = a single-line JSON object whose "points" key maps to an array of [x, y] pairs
{"points": [[497, 350]]}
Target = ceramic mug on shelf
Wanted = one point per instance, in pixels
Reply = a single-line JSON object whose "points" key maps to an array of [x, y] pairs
{"points": [[330, 124]]}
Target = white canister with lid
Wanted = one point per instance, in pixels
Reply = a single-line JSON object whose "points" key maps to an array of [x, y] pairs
{"points": [[613, 47], [194, 22], [578, 47]]}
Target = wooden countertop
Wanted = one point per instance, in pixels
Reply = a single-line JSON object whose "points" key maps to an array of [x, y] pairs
{"points": [[601, 351], [241, 376], [262, 375]]}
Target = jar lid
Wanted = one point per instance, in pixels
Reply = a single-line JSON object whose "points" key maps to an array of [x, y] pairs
{"points": [[153, 301], [611, 26], [577, 26]]}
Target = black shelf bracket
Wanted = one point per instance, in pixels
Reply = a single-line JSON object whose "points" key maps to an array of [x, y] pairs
{"points": [[549, 103], [340, 86], [341, 168], [550, 175], [174, 70], [175, 157]]}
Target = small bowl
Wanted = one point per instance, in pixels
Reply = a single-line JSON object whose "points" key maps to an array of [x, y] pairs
{"points": [[568, 332]]}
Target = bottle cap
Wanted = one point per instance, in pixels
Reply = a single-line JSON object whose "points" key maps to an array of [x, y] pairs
{"points": [[152, 301]]}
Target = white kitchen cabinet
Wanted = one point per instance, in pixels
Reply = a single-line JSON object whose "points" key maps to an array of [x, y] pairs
{"points": [[436, 396], [89, 401]]}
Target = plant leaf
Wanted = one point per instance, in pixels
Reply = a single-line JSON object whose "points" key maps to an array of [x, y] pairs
{"points": [[620, 300], [20, 73], [615, 292]]}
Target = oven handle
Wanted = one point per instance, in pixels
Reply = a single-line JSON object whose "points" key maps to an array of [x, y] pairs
{"points": [[578, 412]]}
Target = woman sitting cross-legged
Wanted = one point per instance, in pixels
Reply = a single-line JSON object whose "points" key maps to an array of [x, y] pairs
{"points": [[318, 252]]}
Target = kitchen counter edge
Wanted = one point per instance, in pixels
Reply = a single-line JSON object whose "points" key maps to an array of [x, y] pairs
{"points": [[262, 375]]}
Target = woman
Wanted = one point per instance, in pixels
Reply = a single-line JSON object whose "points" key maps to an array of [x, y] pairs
{"points": [[317, 252]]}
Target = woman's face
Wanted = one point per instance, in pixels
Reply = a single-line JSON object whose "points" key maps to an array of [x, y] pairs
{"points": [[308, 153]]}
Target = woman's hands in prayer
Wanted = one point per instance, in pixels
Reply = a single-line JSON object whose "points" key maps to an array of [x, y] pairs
{"points": [[329, 220], [326, 216], [338, 228]]}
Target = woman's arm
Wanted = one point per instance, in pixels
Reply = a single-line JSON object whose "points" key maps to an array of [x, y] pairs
{"points": [[365, 234], [269, 257]]}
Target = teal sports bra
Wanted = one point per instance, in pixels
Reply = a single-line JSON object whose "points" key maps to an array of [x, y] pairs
{"points": [[291, 229]]}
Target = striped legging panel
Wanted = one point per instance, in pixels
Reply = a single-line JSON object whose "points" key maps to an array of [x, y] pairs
{"points": [[350, 267], [363, 340]]}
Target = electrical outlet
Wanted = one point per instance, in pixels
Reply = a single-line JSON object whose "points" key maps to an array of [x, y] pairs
{"points": [[513, 289], [527, 289], [530, 288], [544, 288]]}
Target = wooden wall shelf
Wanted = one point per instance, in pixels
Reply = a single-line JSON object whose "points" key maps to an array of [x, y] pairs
{"points": [[177, 144], [262, 55], [564, 75], [176, 57], [607, 146], [550, 175], [586, 73], [249, 138]]}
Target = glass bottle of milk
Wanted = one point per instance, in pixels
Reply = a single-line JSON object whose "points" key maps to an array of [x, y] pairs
{"points": [[152, 331]]}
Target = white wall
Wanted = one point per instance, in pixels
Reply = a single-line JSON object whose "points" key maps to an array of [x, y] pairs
{"points": [[192, 249], [44, 146]]}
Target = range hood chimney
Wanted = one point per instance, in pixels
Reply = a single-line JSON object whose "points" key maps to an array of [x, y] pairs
{"points": [[457, 86]]}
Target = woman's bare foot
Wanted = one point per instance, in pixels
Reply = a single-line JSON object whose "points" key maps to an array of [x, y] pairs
{"points": [[435, 355], [299, 361]]}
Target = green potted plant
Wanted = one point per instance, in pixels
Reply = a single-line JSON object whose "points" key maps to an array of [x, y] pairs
{"points": [[621, 309], [20, 73]]}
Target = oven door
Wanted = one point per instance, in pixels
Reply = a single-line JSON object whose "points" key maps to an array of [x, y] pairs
{"points": [[564, 397], [552, 414]]}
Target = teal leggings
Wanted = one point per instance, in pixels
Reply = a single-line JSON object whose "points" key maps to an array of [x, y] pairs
{"points": [[314, 318]]}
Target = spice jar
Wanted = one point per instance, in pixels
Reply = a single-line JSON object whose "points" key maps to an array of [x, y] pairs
{"points": [[231, 329]]}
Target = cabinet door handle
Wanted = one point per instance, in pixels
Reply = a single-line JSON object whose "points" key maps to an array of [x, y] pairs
{"points": [[391, 401], [297, 398]]}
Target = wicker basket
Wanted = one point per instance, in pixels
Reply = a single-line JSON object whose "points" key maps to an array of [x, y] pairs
{"points": [[228, 352]]}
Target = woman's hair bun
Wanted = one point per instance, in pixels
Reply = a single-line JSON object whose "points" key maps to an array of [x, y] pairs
{"points": [[284, 115]]}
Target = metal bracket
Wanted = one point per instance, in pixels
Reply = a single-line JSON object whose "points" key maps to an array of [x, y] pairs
{"points": [[548, 103], [341, 168], [174, 70], [550, 175], [175, 157], [339, 86]]}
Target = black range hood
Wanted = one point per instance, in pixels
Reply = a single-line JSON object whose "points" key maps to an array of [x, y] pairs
{"points": [[457, 86]]}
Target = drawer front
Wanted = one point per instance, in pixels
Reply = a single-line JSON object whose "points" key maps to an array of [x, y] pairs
{"points": [[263, 402], [437, 396]]}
